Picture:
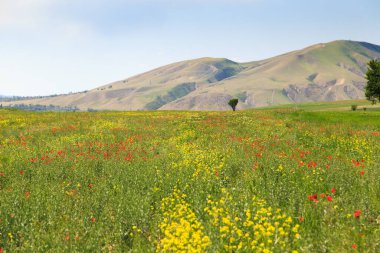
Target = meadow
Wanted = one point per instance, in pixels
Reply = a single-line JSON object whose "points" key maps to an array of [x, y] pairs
{"points": [[278, 180]]}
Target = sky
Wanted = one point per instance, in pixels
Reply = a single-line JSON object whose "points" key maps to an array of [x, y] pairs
{"points": [[60, 46]]}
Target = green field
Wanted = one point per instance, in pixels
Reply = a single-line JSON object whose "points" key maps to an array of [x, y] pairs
{"points": [[271, 180], [342, 105]]}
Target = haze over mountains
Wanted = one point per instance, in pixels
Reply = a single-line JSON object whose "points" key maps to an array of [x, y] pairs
{"points": [[323, 72]]}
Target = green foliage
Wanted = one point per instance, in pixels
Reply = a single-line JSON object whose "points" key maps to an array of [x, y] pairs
{"points": [[178, 91], [37, 107], [226, 69], [354, 107], [372, 89], [242, 96], [233, 103]]}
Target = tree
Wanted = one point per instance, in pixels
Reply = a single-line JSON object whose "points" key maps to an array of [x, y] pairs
{"points": [[372, 89], [233, 102]]}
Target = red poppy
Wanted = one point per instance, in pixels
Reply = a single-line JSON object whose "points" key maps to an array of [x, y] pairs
{"points": [[354, 246], [356, 163], [301, 219], [357, 213], [2, 174], [90, 186], [93, 219], [333, 190], [329, 198], [21, 172], [1, 250], [27, 195], [322, 195], [313, 197], [361, 173]]}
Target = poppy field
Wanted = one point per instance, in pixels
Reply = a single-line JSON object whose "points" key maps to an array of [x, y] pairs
{"points": [[279, 180]]}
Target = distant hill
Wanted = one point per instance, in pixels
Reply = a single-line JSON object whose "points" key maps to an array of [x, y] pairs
{"points": [[323, 72]]}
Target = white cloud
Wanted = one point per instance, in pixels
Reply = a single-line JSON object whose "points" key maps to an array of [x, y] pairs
{"points": [[24, 12], [43, 17]]}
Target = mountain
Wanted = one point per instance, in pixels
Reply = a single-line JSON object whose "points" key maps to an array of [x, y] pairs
{"points": [[323, 72]]}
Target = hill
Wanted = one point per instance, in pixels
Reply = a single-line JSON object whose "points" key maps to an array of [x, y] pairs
{"points": [[323, 72]]}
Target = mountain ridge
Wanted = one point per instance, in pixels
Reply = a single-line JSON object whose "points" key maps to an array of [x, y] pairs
{"points": [[321, 72]]}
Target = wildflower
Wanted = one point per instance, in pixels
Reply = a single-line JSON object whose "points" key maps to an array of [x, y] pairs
{"points": [[180, 227], [21, 172], [333, 190], [354, 246], [356, 163], [90, 186], [2, 174], [27, 195], [322, 195], [357, 213], [329, 198], [93, 219], [361, 173], [301, 219], [313, 197]]}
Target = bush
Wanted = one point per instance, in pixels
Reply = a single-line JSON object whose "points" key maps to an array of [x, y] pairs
{"points": [[354, 107]]}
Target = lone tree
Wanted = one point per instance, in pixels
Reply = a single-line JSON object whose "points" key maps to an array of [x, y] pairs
{"points": [[372, 89], [233, 102]]}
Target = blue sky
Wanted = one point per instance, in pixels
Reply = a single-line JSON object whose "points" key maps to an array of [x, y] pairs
{"points": [[58, 46]]}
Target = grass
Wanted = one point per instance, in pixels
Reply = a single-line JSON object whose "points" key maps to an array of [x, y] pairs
{"points": [[273, 180], [343, 105]]}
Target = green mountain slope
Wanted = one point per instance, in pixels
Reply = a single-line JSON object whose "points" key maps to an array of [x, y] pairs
{"points": [[323, 72]]}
